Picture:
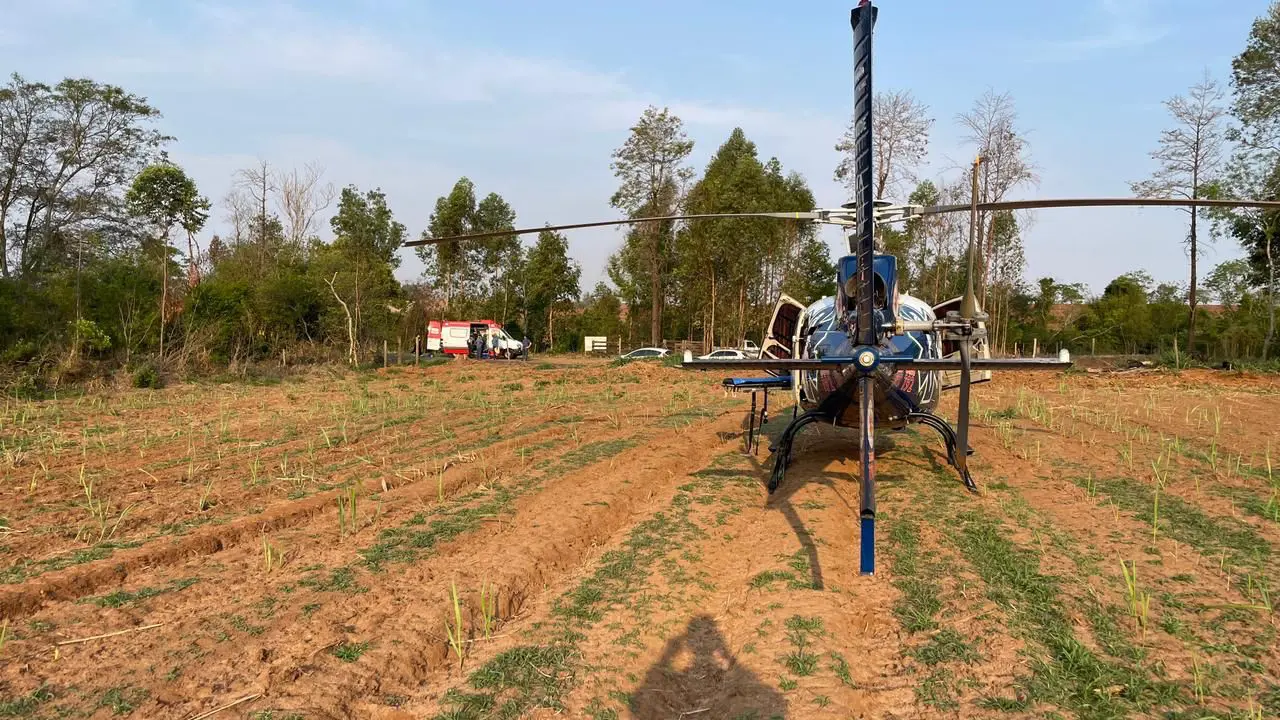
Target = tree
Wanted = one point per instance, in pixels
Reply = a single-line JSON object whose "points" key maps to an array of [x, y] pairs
{"points": [[471, 271], [301, 199], [164, 197], [602, 311], [1189, 155], [1256, 229], [649, 166], [450, 263], [900, 131], [991, 125], [552, 278], [1255, 168], [812, 275], [1229, 282], [367, 238], [1255, 80], [66, 154], [724, 252], [936, 242], [500, 258]]}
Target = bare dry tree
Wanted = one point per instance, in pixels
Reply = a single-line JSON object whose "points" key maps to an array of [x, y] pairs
{"points": [[1190, 155], [991, 126], [247, 203], [351, 326], [301, 198], [900, 131]]}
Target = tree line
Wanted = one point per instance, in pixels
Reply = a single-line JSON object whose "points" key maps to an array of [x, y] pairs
{"points": [[101, 261]]}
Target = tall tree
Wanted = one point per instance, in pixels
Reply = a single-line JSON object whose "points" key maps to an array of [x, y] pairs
{"points": [[67, 153], [301, 199], [1255, 168], [991, 125], [1256, 229], [1190, 155], [900, 128], [500, 258], [165, 198], [650, 168], [725, 253], [450, 264], [367, 236], [1229, 281], [1255, 80], [552, 278]]}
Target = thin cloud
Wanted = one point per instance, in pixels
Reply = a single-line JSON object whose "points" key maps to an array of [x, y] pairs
{"points": [[451, 108], [1122, 25]]}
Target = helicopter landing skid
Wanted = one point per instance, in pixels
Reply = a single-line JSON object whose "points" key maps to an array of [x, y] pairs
{"points": [[949, 437], [781, 449]]}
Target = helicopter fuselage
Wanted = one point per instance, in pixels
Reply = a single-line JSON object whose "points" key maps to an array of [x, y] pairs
{"points": [[824, 332]]}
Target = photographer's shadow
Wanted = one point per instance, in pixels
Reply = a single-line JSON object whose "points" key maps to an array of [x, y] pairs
{"points": [[697, 676]]}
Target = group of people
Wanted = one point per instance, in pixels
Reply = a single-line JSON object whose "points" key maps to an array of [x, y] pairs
{"points": [[483, 345]]}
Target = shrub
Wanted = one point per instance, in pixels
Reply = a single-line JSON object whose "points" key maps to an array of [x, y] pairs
{"points": [[147, 377]]}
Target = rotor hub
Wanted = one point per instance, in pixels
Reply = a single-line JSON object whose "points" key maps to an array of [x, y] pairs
{"points": [[866, 358]]}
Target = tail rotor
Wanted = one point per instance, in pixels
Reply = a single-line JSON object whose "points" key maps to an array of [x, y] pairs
{"points": [[968, 327]]}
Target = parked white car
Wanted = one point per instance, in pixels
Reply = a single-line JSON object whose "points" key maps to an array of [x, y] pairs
{"points": [[724, 354], [648, 353]]}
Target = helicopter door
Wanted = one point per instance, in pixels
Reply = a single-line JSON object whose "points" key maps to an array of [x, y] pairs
{"points": [[950, 351], [779, 341]]}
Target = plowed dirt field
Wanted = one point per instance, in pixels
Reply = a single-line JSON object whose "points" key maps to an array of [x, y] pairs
{"points": [[573, 539]]}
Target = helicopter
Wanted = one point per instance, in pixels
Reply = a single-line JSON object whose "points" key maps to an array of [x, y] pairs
{"points": [[872, 356]]}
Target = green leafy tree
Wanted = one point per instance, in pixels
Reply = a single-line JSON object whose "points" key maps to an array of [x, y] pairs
{"points": [[725, 253], [359, 265], [1255, 79], [483, 275], [451, 264], [1229, 282], [602, 312], [165, 198], [67, 153], [552, 282], [650, 168]]}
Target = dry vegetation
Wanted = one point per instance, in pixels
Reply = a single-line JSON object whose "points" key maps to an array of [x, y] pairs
{"points": [[477, 540]]}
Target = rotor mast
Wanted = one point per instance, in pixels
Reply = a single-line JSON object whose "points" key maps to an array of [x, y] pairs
{"points": [[862, 247]]}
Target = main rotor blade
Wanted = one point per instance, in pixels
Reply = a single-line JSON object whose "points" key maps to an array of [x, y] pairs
{"points": [[832, 362], [603, 223], [1097, 202]]}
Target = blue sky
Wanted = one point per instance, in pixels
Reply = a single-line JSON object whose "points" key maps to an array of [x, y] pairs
{"points": [[529, 99]]}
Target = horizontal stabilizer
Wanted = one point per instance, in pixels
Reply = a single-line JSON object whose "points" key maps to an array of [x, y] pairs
{"points": [[759, 383]]}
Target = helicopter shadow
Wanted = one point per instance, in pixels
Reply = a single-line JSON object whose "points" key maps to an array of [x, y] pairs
{"points": [[816, 446], [698, 676]]}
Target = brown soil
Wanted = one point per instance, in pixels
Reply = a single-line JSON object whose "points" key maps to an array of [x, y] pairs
{"points": [[615, 555]]}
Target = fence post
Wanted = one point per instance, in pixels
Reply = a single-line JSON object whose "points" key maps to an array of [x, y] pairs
{"points": [[384, 353], [417, 349], [399, 350]]}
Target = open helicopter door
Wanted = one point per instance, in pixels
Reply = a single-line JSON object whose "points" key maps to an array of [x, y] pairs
{"points": [[780, 339], [950, 351]]}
